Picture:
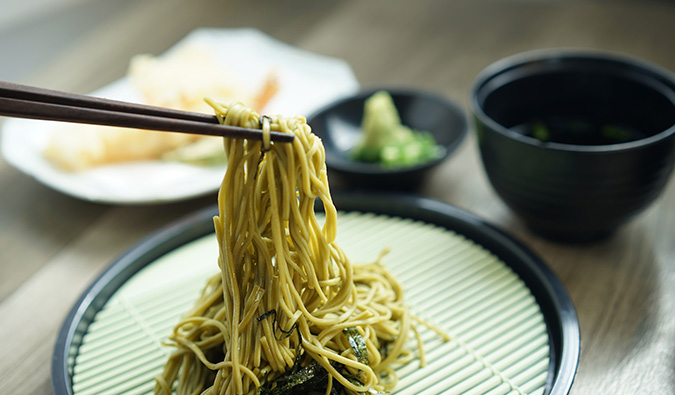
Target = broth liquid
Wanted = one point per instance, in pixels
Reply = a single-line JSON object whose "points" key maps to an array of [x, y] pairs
{"points": [[578, 131]]}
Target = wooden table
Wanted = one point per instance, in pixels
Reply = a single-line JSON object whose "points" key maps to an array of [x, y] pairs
{"points": [[52, 246]]}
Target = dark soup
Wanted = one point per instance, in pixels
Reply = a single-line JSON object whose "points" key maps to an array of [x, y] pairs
{"points": [[567, 130]]}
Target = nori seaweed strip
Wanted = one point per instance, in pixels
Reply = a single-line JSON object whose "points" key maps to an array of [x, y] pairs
{"points": [[297, 380], [313, 378], [384, 350], [275, 325], [358, 344]]}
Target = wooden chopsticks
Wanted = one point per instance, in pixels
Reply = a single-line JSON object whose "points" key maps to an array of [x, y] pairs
{"points": [[24, 101]]}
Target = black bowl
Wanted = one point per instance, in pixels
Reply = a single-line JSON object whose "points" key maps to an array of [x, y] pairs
{"points": [[576, 190], [339, 127]]}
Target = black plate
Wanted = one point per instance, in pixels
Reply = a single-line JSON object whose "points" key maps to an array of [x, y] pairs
{"points": [[556, 306]]}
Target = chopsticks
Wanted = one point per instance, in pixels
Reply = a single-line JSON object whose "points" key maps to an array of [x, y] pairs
{"points": [[23, 101]]}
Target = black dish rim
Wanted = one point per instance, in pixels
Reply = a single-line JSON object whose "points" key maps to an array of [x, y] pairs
{"points": [[556, 305]]}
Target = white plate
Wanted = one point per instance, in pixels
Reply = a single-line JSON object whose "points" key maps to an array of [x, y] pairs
{"points": [[307, 81]]}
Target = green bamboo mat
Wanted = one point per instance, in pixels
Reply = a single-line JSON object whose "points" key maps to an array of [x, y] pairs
{"points": [[499, 340]]}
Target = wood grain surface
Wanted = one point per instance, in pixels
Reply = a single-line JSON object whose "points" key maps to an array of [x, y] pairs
{"points": [[52, 245]]}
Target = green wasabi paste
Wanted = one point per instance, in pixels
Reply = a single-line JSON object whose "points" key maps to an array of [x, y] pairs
{"points": [[386, 141]]}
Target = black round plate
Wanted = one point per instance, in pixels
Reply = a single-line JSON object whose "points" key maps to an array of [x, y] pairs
{"points": [[556, 306]]}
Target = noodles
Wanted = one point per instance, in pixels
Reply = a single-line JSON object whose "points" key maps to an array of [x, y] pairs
{"points": [[288, 311]]}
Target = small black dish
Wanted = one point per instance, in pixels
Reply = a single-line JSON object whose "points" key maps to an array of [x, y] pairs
{"points": [[339, 127], [577, 187]]}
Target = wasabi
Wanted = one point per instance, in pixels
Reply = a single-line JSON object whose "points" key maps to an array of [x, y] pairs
{"points": [[388, 142]]}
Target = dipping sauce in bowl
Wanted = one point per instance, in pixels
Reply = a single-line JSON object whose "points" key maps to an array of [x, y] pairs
{"points": [[577, 131], [575, 142]]}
